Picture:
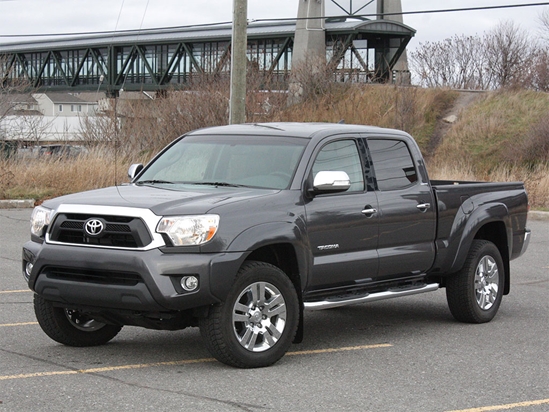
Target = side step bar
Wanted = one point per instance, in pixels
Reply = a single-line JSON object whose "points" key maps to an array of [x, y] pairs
{"points": [[371, 297]]}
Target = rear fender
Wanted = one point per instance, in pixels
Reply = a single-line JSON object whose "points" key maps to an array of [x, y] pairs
{"points": [[483, 215]]}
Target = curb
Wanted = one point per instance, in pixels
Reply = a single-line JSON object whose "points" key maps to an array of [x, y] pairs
{"points": [[534, 215], [16, 204]]}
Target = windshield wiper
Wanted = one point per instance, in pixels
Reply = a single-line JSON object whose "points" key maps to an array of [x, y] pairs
{"points": [[152, 182], [224, 184]]}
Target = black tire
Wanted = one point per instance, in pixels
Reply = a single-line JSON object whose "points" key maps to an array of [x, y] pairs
{"points": [[475, 292], [257, 323], [71, 328]]}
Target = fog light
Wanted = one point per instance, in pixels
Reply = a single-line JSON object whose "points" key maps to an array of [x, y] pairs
{"points": [[28, 270], [189, 283]]}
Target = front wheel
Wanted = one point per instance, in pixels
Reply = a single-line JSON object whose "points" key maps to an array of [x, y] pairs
{"points": [[257, 323], [70, 327], [475, 292]]}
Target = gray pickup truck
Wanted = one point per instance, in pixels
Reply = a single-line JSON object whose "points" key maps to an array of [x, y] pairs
{"points": [[239, 229]]}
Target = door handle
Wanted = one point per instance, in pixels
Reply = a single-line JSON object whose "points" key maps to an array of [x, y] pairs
{"points": [[423, 206], [369, 211]]}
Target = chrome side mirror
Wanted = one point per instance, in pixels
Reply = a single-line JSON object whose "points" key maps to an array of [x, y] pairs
{"points": [[331, 182], [134, 170]]}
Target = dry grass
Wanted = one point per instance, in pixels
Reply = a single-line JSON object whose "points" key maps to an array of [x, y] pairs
{"points": [[493, 128], [46, 178], [483, 145], [535, 180], [411, 109]]}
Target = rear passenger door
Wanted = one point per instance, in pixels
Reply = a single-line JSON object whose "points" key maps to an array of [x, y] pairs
{"points": [[407, 218]]}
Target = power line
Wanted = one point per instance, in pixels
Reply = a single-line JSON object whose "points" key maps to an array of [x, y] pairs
{"points": [[87, 33], [509, 6], [464, 9]]}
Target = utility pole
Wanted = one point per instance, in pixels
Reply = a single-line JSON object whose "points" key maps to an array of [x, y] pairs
{"points": [[239, 44]]}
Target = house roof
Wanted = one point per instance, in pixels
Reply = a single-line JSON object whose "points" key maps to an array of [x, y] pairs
{"points": [[65, 98], [19, 98], [90, 97]]}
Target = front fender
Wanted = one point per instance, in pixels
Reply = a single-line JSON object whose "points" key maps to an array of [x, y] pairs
{"points": [[277, 233]]}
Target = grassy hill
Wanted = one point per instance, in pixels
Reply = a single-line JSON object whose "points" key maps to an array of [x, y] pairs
{"points": [[496, 136]]}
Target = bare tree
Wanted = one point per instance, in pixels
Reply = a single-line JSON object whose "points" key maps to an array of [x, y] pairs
{"points": [[539, 78], [10, 87], [457, 62], [503, 57], [544, 20], [27, 128], [14, 93], [509, 54], [147, 125]]}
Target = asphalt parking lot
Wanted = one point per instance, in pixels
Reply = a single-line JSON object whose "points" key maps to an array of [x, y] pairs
{"points": [[407, 354]]}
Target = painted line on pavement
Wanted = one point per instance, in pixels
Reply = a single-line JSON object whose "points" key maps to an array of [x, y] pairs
{"points": [[178, 363], [4, 325], [506, 407]]}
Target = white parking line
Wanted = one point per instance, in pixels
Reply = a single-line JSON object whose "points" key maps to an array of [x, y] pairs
{"points": [[506, 407], [178, 363], [3, 325]]}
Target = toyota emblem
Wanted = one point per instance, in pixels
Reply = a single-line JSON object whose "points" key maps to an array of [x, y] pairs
{"points": [[94, 227]]}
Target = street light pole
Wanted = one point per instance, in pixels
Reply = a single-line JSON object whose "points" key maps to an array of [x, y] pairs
{"points": [[239, 43]]}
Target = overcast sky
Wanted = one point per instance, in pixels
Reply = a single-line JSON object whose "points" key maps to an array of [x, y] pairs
{"points": [[19, 17]]}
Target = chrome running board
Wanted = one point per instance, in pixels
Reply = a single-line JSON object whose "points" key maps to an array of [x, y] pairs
{"points": [[371, 297]]}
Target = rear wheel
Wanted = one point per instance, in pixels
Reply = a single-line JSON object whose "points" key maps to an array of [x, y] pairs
{"points": [[257, 323], [71, 327], [475, 292]]}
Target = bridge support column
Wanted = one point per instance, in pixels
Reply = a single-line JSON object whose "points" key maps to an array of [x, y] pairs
{"points": [[309, 42], [400, 69]]}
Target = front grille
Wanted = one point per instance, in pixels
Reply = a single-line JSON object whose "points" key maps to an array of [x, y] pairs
{"points": [[93, 276], [119, 231]]}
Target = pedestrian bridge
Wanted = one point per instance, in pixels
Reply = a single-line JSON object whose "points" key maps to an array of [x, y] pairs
{"points": [[158, 59]]}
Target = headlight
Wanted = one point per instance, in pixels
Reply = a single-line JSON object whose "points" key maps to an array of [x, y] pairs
{"points": [[189, 230], [40, 219]]}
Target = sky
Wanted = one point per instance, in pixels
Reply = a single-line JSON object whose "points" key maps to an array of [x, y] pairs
{"points": [[23, 17]]}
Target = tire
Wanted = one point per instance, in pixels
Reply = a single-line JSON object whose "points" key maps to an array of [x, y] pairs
{"points": [[257, 323], [70, 327], [475, 292]]}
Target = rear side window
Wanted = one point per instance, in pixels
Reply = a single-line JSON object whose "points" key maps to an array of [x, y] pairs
{"points": [[393, 164]]}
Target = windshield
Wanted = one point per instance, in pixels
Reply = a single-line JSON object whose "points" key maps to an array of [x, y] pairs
{"points": [[254, 161]]}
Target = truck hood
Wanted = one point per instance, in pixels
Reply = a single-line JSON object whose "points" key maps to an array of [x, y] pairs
{"points": [[161, 200]]}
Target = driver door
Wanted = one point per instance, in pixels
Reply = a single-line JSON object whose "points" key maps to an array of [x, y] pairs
{"points": [[342, 227]]}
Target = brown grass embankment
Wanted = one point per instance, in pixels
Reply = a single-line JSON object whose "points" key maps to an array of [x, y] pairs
{"points": [[41, 179], [535, 180], [502, 137]]}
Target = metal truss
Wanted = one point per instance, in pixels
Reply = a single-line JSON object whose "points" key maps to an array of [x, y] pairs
{"points": [[158, 65]]}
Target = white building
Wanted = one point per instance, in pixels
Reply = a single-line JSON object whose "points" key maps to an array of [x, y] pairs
{"points": [[63, 104], [46, 117]]}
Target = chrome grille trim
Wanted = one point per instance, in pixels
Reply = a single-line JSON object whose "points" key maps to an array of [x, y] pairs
{"points": [[151, 221]]}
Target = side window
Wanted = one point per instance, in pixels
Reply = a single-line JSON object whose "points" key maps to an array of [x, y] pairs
{"points": [[341, 155], [393, 164]]}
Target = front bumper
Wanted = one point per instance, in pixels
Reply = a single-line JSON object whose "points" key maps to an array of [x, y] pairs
{"points": [[144, 281]]}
